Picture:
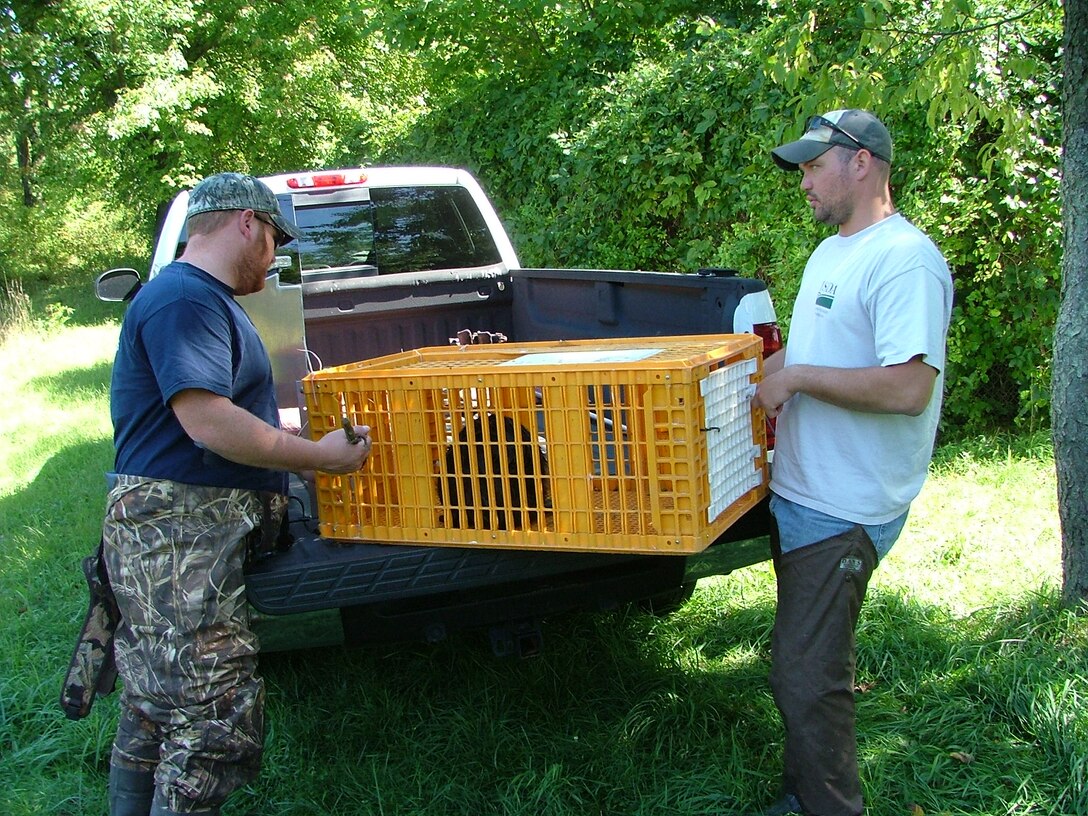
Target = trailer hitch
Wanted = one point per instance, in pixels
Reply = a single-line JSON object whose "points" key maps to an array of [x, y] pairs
{"points": [[523, 639]]}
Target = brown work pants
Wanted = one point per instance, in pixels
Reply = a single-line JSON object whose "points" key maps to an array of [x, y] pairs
{"points": [[820, 591]]}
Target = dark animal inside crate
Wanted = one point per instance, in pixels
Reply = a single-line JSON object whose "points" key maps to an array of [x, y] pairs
{"points": [[485, 466]]}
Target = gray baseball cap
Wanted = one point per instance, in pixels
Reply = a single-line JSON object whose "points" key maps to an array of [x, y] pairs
{"points": [[237, 191], [854, 129]]}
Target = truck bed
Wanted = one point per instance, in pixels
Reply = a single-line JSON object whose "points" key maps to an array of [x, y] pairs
{"points": [[407, 591], [356, 319]]}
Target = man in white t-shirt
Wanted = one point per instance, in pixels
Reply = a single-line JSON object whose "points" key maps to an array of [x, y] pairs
{"points": [[857, 394]]}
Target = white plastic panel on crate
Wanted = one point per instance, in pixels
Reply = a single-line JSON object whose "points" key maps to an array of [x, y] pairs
{"points": [[732, 455]]}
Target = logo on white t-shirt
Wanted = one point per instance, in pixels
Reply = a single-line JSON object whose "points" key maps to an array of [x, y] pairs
{"points": [[826, 296]]}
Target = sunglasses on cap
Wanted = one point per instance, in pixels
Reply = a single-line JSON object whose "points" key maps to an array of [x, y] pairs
{"points": [[279, 237], [818, 122]]}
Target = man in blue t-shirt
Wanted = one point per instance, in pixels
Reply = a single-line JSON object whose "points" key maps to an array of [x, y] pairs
{"points": [[201, 463]]}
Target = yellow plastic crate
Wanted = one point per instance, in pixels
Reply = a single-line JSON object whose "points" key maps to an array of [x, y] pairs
{"points": [[639, 445]]}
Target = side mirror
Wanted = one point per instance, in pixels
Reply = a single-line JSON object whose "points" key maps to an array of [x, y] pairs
{"points": [[281, 262], [117, 285]]}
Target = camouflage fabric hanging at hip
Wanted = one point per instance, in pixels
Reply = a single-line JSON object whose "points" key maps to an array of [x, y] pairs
{"points": [[160, 507], [166, 540]]}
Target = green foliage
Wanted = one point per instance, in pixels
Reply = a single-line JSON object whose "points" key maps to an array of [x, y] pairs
{"points": [[16, 314], [65, 239], [662, 161], [264, 88], [462, 41], [615, 134], [128, 103]]}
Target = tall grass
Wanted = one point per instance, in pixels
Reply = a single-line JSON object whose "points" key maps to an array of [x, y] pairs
{"points": [[971, 677]]}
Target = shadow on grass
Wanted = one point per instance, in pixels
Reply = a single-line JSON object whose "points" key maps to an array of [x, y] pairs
{"points": [[623, 712], [959, 715], [48, 764], [46, 528], [95, 378], [73, 292], [56, 512], [997, 447]]}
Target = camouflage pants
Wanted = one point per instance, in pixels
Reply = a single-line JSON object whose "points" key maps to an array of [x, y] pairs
{"points": [[192, 706]]}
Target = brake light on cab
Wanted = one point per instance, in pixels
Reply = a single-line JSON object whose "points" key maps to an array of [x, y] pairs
{"points": [[338, 179]]}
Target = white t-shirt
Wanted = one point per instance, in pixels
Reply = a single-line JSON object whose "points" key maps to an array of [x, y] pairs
{"points": [[879, 297]]}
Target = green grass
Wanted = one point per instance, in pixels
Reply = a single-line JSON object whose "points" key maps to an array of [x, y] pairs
{"points": [[972, 677]]}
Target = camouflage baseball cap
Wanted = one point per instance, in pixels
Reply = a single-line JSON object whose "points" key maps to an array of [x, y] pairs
{"points": [[853, 129], [237, 191]]}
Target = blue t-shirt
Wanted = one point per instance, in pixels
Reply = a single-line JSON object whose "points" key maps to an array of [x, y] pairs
{"points": [[184, 329]]}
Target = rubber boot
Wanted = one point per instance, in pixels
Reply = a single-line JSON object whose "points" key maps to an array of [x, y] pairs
{"points": [[131, 792]]}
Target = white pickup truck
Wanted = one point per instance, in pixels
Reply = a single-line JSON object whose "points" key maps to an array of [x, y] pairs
{"points": [[395, 258]]}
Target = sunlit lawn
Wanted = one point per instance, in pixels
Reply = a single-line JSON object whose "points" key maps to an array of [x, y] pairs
{"points": [[971, 678]]}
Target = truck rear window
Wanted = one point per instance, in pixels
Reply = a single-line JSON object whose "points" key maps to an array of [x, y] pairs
{"points": [[382, 231]]}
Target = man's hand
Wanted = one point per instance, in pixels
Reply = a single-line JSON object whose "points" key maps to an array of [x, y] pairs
{"points": [[343, 454], [773, 392]]}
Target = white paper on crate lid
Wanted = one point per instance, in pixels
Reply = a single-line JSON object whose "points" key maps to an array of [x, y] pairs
{"points": [[559, 358]]}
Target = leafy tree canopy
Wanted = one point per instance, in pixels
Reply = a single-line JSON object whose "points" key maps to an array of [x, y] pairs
{"points": [[162, 92], [658, 157], [627, 134]]}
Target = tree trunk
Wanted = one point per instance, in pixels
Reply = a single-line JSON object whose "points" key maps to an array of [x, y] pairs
{"points": [[26, 170], [1069, 403]]}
